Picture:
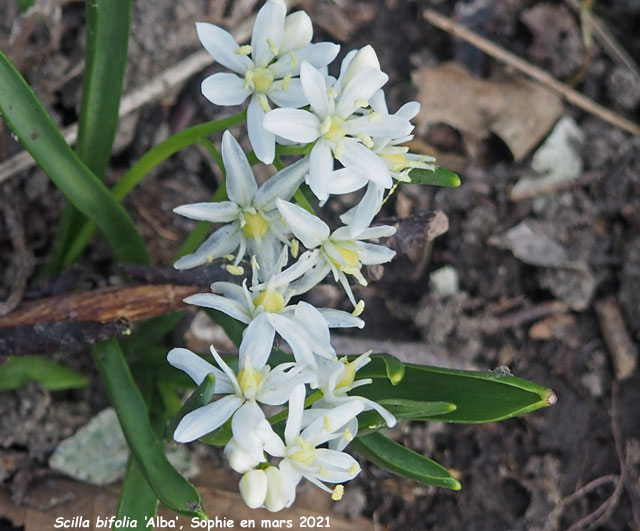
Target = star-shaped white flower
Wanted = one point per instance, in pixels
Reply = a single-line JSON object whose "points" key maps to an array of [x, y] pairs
{"points": [[337, 127], [252, 220], [339, 252], [264, 70]]}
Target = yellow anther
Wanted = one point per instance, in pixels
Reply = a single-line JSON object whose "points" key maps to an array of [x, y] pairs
{"points": [[338, 150], [399, 161], [228, 257], [210, 258], [353, 470], [362, 103], [235, 270], [366, 140], [349, 376], [271, 300], [326, 423], [294, 59], [286, 81], [332, 93], [374, 117], [249, 379], [255, 226], [262, 79], [272, 46], [243, 50], [264, 103], [358, 309], [295, 248], [337, 493], [348, 435], [248, 78], [333, 128]]}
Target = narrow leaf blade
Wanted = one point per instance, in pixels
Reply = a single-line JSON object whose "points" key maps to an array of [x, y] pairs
{"points": [[49, 374]]}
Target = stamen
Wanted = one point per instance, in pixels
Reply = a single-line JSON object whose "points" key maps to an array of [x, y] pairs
{"points": [[332, 93], [243, 50], [235, 270], [366, 140], [254, 263], [327, 423], [295, 248], [361, 103], [338, 151], [391, 191], [264, 103], [358, 309], [294, 59], [248, 78], [348, 435], [286, 81], [325, 125], [229, 257], [210, 258], [272, 46], [337, 493]]}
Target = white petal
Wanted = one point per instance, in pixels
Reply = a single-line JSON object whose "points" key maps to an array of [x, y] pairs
{"points": [[378, 102], [293, 124], [315, 89], [216, 212], [311, 278], [318, 55], [273, 444], [340, 319], [372, 254], [257, 342], [292, 97], [241, 183], [388, 126], [305, 262], [269, 25], [360, 87], [345, 181], [345, 65], [294, 418], [253, 488], [275, 389], [221, 45], [205, 419], [197, 369], [282, 185], [409, 110], [360, 217], [281, 489], [224, 88], [339, 467], [364, 59], [318, 331], [342, 442], [379, 231], [230, 307], [316, 433], [320, 169], [223, 241], [386, 415], [243, 425], [262, 141], [309, 229], [227, 370], [362, 160], [238, 459], [229, 290], [296, 338], [298, 32]]}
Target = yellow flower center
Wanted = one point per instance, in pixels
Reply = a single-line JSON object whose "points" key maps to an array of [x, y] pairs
{"points": [[262, 79], [333, 128], [399, 161], [349, 257], [306, 454], [349, 375], [249, 379], [270, 300], [255, 226]]}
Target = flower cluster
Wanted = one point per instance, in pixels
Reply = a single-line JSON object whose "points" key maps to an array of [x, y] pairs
{"points": [[351, 142]]}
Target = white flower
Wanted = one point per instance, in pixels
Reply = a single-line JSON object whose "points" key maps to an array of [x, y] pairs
{"points": [[339, 253], [263, 488], [265, 309], [338, 129], [335, 379], [252, 220], [255, 382], [264, 69], [301, 455]]}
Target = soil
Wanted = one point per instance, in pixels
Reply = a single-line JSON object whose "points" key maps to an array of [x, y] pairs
{"points": [[572, 466]]}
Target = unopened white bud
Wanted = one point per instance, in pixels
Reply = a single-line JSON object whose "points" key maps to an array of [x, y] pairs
{"points": [[253, 488]]}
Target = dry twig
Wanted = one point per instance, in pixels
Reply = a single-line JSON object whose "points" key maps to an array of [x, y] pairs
{"points": [[543, 77]]}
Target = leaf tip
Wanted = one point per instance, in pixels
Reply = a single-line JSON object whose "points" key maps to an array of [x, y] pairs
{"points": [[455, 181], [551, 398]]}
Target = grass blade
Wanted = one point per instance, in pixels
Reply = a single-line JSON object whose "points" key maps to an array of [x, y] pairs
{"points": [[30, 122], [51, 375], [137, 499]]}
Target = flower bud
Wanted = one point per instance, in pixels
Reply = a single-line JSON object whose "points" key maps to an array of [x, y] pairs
{"points": [[298, 32], [364, 59], [253, 488], [275, 499], [238, 459]]}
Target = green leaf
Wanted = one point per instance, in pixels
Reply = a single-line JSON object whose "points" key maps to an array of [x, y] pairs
{"points": [[51, 375], [200, 397], [105, 62], [402, 410], [30, 122], [438, 177], [24, 5], [383, 366], [406, 463], [137, 499], [170, 487], [478, 396]]}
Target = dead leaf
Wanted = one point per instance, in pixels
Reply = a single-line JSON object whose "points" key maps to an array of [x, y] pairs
{"points": [[518, 111]]}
